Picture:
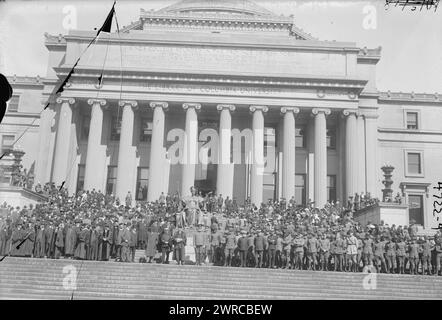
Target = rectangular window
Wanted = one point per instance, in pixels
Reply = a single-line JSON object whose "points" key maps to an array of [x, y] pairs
{"points": [[412, 120], [80, 177], [115, 128], [414, 163], [85, 125], [7, 143], [142, 183], [268, 186], [13, 103], [331, 138], [300, 137], [331, 188], [111, 180], [300, 182], [146, 130]]}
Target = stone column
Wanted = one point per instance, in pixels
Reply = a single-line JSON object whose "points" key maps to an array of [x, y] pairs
{"points": [[351, 153], [125, 160], [320, 162], [63, 139], [225, 168], [190, 156], [43, 165], [289, 150], [361, 154], [95, 158], [371, 145], [256, 178], [156, 163]]}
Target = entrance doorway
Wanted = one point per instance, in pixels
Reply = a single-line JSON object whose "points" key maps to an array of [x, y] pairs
{"points": [[416, 208]]}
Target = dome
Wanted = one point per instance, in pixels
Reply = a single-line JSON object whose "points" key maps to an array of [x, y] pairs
{"points": [[235, 7]]}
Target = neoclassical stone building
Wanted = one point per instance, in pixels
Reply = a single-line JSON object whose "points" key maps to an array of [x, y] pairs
{"points": [[178, 79]]}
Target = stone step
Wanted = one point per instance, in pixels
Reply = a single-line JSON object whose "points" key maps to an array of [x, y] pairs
{"points": [[281, 290], [43, 278]]}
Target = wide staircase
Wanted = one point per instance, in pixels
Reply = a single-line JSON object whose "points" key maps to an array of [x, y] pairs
{"points": [[26, 278]]}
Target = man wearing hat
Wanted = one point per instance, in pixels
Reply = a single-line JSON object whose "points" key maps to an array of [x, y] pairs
{"points": [[260, 245], [198, 242], [124, 237], [401, 253], [324, 252], [59, 241], [229, 248], [179, 243], [426, 248], [413, 255], [271, 240], [243, 246]]}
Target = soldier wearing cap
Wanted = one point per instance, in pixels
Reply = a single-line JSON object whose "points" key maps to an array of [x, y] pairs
{"points": [[230, 239], [367, 250], [243, 246], [198, 243], [312, 251], [413, 255], [426, 248], [260, 245], [299, 244], [179, 243], [400, 254], [324, 252], [271, 240], [391, 255]]}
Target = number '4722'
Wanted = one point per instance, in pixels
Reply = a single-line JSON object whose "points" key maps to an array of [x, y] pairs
{"points": [[437, 204]]}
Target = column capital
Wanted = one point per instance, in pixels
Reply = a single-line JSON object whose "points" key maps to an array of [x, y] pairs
{"points": [[229, 107], [132, 103], [316, 111], [196, 106], [285, 110], [63, 99], [91, 102], [258, 108], [159, 104], [348, 112]]}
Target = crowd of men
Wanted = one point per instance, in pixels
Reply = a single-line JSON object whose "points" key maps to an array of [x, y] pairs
{"points": [[278, 234]]}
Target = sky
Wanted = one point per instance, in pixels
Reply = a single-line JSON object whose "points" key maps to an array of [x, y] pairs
{"points": [[411, 41]]}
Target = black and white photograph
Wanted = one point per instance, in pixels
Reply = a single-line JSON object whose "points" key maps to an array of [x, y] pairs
{"points": [[197, 150]]}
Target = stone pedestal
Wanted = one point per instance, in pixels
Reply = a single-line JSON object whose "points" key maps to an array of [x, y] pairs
{"points": [[189, 251]]}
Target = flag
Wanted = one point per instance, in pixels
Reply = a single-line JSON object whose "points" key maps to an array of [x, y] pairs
{"points": [[106, 27]]}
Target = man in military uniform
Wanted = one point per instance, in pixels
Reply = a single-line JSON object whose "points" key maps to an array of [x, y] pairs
{"points": [[259, 249], [324, 252], [165, 243], [312, 251], [426, 248], [299, 244], [198, 243], [215, 241], [272, 239], [243, 246], [179, 242]]}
